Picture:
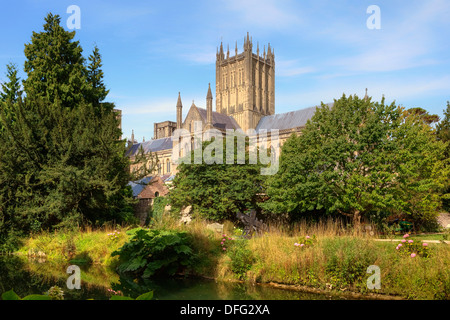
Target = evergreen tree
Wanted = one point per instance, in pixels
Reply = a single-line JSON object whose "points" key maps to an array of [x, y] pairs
{"points": [[95, 77], [63, 163], [11, 89], [55, 65]]}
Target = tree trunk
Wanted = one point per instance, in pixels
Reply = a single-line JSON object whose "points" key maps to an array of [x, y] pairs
{"points": [[357, 220]]}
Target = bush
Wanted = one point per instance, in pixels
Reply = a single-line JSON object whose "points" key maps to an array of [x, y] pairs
{"points": [[151, 252], [413, 249], [347, 261], [241, 257], [157, 210]]}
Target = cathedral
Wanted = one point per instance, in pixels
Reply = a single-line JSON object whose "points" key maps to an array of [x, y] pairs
{"points": [[245, 99]]}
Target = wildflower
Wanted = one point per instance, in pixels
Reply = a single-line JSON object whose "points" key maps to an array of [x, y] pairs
{"points": [[403, 240], [397, 248], [399, 245], [307, 237], [410, 241], [302, 245], [221, 243], [425, 244], [224, 248], [406, 236], [413, 255], [296, 244]]}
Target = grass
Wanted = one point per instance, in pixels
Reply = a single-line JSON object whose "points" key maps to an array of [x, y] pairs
{"points": [[85, 246], [335, 261], [440, 236]]}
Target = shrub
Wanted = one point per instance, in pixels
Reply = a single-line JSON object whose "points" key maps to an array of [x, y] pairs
{"points": [[413, 249], [306, 241], [241, 257], [225, 242], [151, 252], [347, 261], [157, 210]]}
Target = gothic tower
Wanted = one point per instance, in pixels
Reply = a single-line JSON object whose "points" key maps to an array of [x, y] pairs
{"points": [[245, 84]]}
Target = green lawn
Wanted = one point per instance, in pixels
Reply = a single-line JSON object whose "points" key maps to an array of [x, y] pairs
{"points": [[423, 236]]}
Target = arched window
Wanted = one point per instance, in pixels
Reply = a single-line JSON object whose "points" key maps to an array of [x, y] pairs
{"points": [[156, 194]]}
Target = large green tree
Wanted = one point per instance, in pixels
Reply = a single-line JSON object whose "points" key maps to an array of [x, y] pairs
{"points": [[443, 134], [358, 157], [55, 65], [62, 161], [217, 191]]}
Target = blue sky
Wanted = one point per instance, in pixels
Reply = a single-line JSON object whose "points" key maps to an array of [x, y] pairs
{"points": [[154, 49]]}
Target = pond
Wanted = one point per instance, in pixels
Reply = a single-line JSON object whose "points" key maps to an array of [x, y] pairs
{"points": [[26, 277]]}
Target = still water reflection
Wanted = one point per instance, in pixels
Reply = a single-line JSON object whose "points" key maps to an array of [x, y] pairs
{"points": [[32, 277]]}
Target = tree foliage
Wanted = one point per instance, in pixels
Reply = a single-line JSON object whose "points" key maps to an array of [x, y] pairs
{"points": [[62, 161], [217, 191], [443, 134], [359, 157], [11, 90], [423, 115]]}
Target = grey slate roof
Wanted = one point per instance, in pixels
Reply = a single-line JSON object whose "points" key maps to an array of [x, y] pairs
{"points": [[138, 186], [151, 146], [288, 120], [220, 120]]}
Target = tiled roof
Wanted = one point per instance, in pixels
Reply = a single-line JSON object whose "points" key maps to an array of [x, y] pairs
{"points": [[151, 146], [288, 120], [220, 120], [138, 186], [147, 187]]}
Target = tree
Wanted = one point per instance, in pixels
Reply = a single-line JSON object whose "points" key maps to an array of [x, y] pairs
{"points": [[98, 91], [62, 162], [423, 115], [443, 130], [217, 191], [55, 65], [355, 158], [11, 89], [443, 134]]}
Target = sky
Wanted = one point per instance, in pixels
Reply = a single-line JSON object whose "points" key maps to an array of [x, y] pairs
{"points": [[152, 50]]}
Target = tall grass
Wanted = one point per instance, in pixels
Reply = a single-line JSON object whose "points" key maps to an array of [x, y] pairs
{"points": [[336, 261], [87, 245]]}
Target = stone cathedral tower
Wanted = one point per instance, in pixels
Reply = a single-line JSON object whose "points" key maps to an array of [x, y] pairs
{"points": [[245, 84]]}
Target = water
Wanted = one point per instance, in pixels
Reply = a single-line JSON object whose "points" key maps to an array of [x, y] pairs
{"points": [[33, 277]]}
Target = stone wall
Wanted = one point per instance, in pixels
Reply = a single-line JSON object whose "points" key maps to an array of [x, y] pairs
{"points": [[141, 209]]}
